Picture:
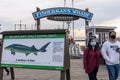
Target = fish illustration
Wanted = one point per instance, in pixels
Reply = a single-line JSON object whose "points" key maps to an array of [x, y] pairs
{"points": [[25, 49]]}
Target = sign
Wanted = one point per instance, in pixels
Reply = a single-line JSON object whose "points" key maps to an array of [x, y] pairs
{"points": [[62, 11], [42, 51]]}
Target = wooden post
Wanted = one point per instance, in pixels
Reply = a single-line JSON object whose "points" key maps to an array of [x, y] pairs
{"points": [[86, 26], [12, 73], [65, 74], [1, 68], [68, 74], [38, 20], [1, 73], [62, 75]]}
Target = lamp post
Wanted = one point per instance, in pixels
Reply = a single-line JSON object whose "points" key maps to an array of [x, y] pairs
{"points": [[0, 25], [68, 23], [73, 21]]}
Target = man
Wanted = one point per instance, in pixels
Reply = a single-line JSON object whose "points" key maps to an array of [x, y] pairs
{"points": [[110, 52]]}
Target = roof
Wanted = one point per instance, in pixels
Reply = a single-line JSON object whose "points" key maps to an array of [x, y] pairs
{"points": [[102, 27]]}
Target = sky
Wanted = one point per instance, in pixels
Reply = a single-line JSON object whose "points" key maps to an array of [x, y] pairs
{"points": [[106, 13]]}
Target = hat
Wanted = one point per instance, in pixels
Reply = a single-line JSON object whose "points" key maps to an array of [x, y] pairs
{"points": [[92, 36]]}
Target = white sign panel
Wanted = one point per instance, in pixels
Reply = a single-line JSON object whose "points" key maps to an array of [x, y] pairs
{"points": [[33, 51]]}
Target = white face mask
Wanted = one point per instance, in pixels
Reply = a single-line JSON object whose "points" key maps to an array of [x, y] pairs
{"points": [[93, 44]]}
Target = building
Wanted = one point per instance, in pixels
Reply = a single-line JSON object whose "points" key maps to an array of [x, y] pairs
{"points": [[101, 32]]}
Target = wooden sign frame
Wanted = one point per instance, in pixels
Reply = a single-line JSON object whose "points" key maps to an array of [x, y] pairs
{"points": [[66, 66]]}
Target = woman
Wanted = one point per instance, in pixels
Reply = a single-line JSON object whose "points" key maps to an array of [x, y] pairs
{"points": [[91, 59]]}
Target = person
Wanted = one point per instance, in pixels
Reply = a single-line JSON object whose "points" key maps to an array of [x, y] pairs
{"points": [[91, 59], [110, 53], [7, 70]]}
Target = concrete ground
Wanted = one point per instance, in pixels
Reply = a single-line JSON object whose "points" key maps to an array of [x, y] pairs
{"points": [[76, 72]]}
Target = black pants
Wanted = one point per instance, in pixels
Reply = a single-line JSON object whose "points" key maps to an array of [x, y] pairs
{"points": [[7, 70], [93, 75]]}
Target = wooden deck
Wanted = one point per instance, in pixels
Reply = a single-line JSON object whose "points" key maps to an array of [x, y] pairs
{"points": [[76, 72]]}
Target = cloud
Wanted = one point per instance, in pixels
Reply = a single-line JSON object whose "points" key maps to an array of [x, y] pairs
{"points": [[102, 9], [12, 11]]}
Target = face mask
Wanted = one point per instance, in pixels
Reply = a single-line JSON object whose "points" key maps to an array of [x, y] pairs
{"points": [[113, 36], [93, 44]]}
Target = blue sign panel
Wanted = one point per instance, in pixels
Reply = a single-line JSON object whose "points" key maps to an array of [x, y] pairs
{"points": [[62, 11]]}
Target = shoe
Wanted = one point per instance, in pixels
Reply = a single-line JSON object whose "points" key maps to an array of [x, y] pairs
{"points": [[8, 73]]}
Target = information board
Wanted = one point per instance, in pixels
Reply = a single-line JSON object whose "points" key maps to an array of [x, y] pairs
{"points": [[42, 51]]}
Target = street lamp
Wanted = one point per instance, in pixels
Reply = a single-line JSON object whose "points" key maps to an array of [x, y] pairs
{"points": [[0, 25], [68, 23]]}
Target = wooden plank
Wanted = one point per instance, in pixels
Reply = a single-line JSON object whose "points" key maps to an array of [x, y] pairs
{"points": [[12, 73], [62, 75], [1, 73], [68, 74]]}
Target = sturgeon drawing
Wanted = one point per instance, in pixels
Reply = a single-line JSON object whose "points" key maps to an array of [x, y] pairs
{"points": [[25, 49]]}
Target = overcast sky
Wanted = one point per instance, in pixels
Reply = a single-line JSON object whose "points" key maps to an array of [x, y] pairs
{"points": [[106, 12]]}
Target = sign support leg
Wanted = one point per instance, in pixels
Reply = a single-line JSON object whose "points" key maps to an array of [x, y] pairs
{"points": [[1, 73], [62, 75], [65, 74], [12, 73], [68, 74]]}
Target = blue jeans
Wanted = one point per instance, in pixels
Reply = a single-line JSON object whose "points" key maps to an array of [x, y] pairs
{"points": [[113, 71]]}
